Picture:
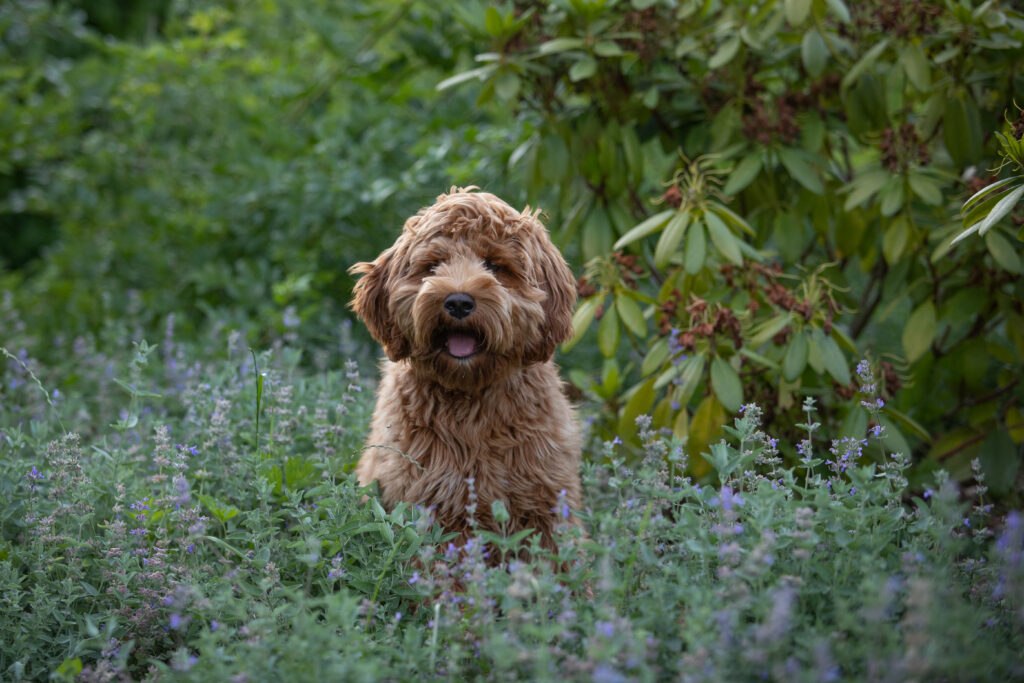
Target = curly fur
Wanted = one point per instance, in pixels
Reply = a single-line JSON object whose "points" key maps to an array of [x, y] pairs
{"points": [[497, 415]]}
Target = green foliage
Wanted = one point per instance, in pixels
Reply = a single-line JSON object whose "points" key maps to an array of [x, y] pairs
{"points": [[229, 172], [833, 140], [173, 547]]}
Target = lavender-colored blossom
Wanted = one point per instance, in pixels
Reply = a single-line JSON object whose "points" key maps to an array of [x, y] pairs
{"points": [[727, 499], [33, 476]]}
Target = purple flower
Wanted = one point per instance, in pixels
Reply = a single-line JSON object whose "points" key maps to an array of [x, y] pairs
{"points": [[605, 628], [414, 579], [214, 625], [726, 499], [175, 620], [864, 370], [33, 476]]}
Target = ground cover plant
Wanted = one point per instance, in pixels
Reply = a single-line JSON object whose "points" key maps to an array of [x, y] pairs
{"points": [[797, 351], [152, 530]]}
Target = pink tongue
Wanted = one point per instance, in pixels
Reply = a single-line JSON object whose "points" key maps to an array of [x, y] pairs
{"points": [[461, 345]]}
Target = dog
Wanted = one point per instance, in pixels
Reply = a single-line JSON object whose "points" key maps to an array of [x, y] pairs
{"points": [[469, 304]]}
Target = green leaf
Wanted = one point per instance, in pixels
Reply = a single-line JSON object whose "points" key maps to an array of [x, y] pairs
{"points": [[706, 425], [795, 360], [915, 65], [892, 198], [692, 372], [583, 69], [925, 188], [908, 423], [670, 239], [797, 11], [835, 361], [864, 186], [863, 63], [731, 218], [759, 359], [608, 333], [478, 73], [493, 22], [608, 48], [582, 319], [727, 385], [726, 51], [561, 45], [894, 241], [597, 235], [999, 462], [650, 225], [814, 53], [743, 174], [506, 86], [839, 9], [1003, 252], [631, 315], [69, 668], [988, 189], [800, 170], [638, 404], [1001, 208], [895, 442], [920, 331], [722, 238], [788, 234], [960, 130], [762, 332], [656, 356], [696, 249]]}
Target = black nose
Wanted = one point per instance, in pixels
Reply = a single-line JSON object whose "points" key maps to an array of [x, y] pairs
{"points": [[459, 305]]}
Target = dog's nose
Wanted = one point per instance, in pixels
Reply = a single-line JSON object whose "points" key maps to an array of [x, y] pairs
{"points": [[459, 305]]}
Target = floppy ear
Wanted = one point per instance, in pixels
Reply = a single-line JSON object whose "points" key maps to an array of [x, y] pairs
{"points": [[370, 302], [557, 281]]}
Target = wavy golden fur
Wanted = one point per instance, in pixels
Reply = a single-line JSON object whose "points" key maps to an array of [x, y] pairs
{"points": [[469, 304]]}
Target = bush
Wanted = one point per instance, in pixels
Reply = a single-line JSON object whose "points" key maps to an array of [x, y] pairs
{"points": [[229, 172], [826, 150]]}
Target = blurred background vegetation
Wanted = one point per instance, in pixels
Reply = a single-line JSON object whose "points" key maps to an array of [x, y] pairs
{"points": [[756, 195]]}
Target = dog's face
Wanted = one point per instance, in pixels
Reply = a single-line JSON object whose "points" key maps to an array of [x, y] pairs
{"points": [[471, 290]]}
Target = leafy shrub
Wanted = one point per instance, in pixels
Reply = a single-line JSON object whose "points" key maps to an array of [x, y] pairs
{"points": [[829, 142], [230, 171]]}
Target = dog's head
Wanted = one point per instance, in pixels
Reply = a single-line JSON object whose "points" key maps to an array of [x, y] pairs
{"points": [[470, 290]]}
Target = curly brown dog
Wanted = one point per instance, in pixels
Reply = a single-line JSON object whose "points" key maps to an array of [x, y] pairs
{"points": [[469, 304]]}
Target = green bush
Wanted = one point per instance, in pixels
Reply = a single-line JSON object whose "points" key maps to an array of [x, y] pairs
{"points": [[229, 172], [827, 148]]}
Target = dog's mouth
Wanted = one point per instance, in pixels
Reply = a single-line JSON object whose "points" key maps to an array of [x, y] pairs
{"points": [[461, 344]]}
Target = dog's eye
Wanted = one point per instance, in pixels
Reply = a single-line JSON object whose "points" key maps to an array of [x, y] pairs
{"points": [[492, 266]]}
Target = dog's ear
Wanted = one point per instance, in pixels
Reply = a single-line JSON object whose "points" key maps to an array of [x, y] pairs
{"points": [[370, 302], [557, 281]]}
